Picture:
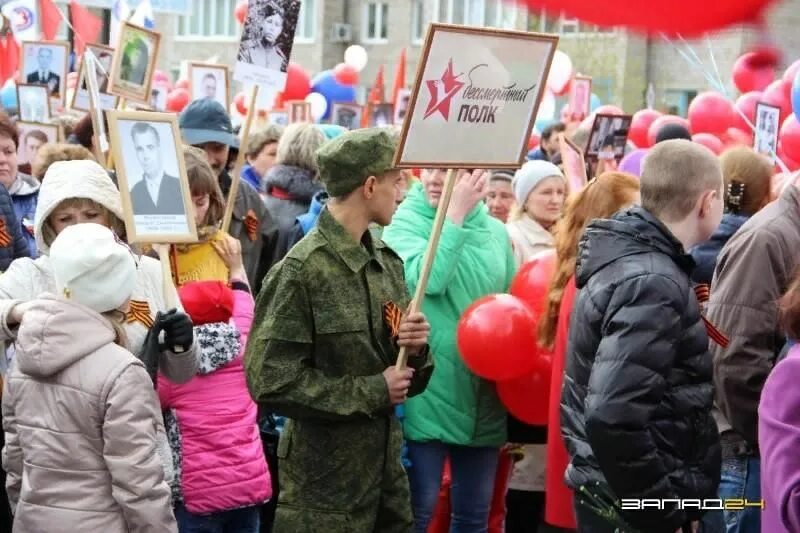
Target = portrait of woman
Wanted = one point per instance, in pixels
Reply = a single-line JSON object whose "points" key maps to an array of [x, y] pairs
{"points": [[135, 58], [268, 34]]}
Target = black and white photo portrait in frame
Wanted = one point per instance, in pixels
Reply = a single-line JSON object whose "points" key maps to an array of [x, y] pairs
{"points": [[46, 64], [381, 115], [347, 115], [34, 103], [609, 132], [134, 63], [401, 106], [158, 98], [266, 45], [766, 133], [210, 82], [32, 137], [152, 174], [105, 61]]}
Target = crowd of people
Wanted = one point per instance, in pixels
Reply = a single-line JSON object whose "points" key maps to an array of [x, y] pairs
{"points": [[257, 390]]}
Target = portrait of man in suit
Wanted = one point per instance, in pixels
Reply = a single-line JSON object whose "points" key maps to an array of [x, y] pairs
{"points": [[43, 75], [157, 193]]}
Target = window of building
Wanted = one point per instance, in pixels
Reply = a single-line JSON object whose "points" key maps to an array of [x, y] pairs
{"points": [[419, 22], [306, 22], [376, 22], [495, 13], [210, 19]]}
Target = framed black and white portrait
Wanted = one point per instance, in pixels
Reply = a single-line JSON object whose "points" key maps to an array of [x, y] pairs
{"points": [[609, 135], [135, 62], [401, 105], [158, 98], [381, 115], [768, 124], [347, 115], [45, 63], [278, 117], [266, 43], [210, 81], [33, 102], [32, 136], [299, 111], [105, 61], [152, 177]]}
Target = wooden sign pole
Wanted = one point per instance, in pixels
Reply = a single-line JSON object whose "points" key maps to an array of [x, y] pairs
{"points": [[430, 255], [237, 168]]}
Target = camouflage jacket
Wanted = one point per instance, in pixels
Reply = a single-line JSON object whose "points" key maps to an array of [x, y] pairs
{"points": [[323, 337]]}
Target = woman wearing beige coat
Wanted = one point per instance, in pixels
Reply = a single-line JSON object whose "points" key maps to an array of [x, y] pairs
{"points": [[540, 190], [79, 411]]}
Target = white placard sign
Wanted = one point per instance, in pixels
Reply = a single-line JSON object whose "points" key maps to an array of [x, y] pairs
{"points": [[475, 98], [768, 120]]}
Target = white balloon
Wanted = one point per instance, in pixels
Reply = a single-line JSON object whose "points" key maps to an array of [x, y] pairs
{"points": [[547, 107], [319, 105], [356, 56], [560, 72]]}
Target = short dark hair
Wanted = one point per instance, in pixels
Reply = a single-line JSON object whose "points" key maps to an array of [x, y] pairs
{"points": [[9, 129], [38, 135], [548, 132], [140, 128]]}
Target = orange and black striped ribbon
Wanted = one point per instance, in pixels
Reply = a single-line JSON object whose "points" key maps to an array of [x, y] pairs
{"points": [[703, 293], [5, 237], [393, 316], [251, 225], [139, 311]]}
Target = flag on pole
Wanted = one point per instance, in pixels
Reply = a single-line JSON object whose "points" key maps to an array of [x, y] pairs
{"points": [[120, 12], [51, 19], [24, 18], [378, 93], [399, 76], [85, 25], [9, 57], [143, 16]]}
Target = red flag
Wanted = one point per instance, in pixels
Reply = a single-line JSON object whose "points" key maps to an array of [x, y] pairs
{"points": [[378, 93], [51, 19], [399, 76], [9, 57], [86, 25]]}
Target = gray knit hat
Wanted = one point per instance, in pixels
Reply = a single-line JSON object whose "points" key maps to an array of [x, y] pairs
{"points": [[530, 175]]}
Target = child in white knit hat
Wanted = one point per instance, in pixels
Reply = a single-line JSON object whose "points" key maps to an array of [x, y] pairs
{"points": [[79, 411]]}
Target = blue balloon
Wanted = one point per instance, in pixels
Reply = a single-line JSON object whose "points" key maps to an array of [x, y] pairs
{"points": [[594, 102], [542, 123], [325, 84], [8, 96], [796, 96]]}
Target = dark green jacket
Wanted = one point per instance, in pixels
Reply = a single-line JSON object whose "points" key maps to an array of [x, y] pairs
{"points": [[320, 346]]}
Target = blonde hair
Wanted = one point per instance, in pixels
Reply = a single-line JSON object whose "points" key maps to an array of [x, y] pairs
{"points": [[298, 146], [258, 140], [117, 320], [51, 153], [674, 175], [111, 221]]}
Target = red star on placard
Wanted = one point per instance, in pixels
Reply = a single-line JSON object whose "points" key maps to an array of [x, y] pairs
{"points": [[442, 92]]}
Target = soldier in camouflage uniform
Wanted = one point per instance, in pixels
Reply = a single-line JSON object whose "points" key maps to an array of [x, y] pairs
{"points": [[328, 326]]}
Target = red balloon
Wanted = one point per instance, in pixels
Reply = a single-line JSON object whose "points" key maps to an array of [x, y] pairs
{"points": [[778, 95], [748, 77], [240, 101], [177, 99], [533, 141], [533, 280], [746, 103], [182, 84], [345, 74], [609, 109], [709, 141], [662, 121], [676, 18], [528, 397], [496, 337], [640, 124], [565, 90], [240, 11], [710, 112], [790, 163], [298, 83], [790, 137]]}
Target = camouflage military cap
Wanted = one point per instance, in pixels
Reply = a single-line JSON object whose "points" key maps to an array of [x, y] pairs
{"points": [[346, 162]]}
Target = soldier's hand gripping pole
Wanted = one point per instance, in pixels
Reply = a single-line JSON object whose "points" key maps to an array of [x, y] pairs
{"points": [[430, 254]]}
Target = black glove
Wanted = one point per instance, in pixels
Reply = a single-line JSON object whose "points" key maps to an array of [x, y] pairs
{"points": [[151, 348], [178, 331]]}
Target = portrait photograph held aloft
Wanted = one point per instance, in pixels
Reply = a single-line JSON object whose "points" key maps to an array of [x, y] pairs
{"points": [[32, 136], [134, 63], [33, 102], [266, 43], [152, 177], [210, 81], [105, 61], [45, 63]]}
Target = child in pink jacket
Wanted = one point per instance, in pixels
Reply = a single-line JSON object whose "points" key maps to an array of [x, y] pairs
{"points": [[221, 474]]}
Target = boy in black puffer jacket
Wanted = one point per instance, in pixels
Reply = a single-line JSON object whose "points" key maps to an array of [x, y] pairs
{"points": [[637, 395]]}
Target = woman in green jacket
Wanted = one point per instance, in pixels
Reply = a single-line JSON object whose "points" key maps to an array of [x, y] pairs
{"points": [[459, 416]]}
